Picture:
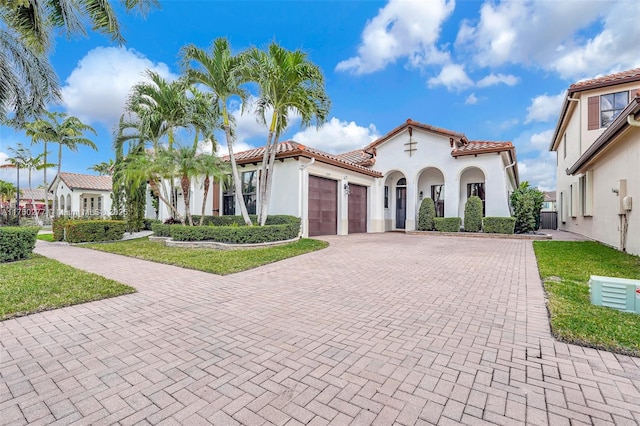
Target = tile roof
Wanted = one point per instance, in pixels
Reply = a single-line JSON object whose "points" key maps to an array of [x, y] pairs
{"points": [[550, 196], [80, 181], [418, 125], [29, 194], [607, 80], [481, 147], [359, 156], [292, 149]]}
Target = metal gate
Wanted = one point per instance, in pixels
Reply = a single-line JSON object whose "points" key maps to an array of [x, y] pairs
{"points": [[548, 220]]}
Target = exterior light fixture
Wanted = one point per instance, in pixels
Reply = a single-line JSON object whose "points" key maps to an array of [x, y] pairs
{"points": [[346, 189], [421, 195]]}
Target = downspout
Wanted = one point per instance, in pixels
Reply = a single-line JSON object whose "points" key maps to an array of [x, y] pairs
{"points": [[506, 184], [624, 218], [303, 167], [570, 99]]}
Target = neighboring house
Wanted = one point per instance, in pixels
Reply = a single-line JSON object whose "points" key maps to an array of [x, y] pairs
{"points": [[597, 141], [378, 188], [549, 204], [82, 195], [31, 199]]}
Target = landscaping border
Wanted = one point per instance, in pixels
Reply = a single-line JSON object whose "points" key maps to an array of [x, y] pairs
{"points": [[483, 235], [170, 242]]}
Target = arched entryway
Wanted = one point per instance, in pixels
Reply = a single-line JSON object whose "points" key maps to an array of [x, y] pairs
{"points": [[431, 185], [472, 182], [395, 201]]}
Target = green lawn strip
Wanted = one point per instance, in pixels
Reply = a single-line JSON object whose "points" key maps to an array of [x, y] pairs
{"points": [[565, 267], [221, 262], [39, 284], [45, 237]]}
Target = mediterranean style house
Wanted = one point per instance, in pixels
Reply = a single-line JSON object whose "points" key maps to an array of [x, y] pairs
{"points": [[380, 187], [81, 195], [597, 141]]}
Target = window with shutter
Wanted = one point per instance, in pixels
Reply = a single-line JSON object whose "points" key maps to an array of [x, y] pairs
{"points": [[593, 114]]}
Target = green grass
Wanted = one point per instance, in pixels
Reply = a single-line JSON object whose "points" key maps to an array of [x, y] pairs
{"points": [[221, 262], [45, 237], [39, 284], [565, 268]]}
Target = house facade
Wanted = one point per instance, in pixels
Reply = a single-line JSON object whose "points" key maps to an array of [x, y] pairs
{"points": [[597, 141], [81, 195], [378, 188]]}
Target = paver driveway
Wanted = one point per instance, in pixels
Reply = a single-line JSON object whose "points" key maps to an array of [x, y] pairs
{"points": [[376, 329]]}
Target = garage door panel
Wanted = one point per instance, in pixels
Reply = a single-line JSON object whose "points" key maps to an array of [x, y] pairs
{"points": [[323, 206], [357, 209]]}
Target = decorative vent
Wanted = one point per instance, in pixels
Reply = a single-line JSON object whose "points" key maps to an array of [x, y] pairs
{"points": [[617, 293]]}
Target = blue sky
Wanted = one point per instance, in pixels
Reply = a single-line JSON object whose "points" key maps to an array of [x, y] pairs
{"points": [[495, 70]]}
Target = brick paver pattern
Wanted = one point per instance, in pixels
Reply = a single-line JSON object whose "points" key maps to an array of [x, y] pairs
{"points": [[376, 329]]}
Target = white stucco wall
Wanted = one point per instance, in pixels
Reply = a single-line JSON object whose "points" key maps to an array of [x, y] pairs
{"points": [[73, 200]]}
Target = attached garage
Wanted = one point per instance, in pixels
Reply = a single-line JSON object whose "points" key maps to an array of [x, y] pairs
{"points": [[357, 209], [323, 206]]}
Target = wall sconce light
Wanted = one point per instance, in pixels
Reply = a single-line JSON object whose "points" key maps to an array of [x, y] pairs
{"points": [[615, 191], [346, 189], [421, 195]]}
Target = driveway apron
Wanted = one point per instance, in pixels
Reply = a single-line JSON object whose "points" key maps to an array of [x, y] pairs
{"points": [[375, 329]]}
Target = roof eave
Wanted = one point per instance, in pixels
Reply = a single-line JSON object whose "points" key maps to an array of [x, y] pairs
{"points": [[606, 138], [483, 151]]}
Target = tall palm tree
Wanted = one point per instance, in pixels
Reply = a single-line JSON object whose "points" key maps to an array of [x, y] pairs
{"points": [[103, 168], [27, 80], [35, 163], [19, 160], [67, 131], [7, 191], [221, 72], [288, 82]]}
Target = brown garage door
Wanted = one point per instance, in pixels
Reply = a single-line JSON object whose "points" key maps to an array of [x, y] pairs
{"points": [[323, 206], [357, 209]]}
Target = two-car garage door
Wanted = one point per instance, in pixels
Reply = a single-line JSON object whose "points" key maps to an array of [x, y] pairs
{"points": [[323, 207]]}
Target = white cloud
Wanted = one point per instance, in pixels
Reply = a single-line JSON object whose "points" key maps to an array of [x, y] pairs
{"points": [[544, 107], [338, 136], [471, 99], [98, 87], [494, 79], [541, 141], [539, 171], [551, 35], [402, 29], [453, 77]]}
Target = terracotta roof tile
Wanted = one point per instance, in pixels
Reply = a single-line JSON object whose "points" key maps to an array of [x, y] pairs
{"points": [[359, 156], [607, 80], [292, 148], [418, 125], [35, 194], [481, 147], [80, 181]]}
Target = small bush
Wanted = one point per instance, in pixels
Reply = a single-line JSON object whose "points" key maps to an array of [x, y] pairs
{"points": [[239, 221], [447, 224], [161, 229], [473, 214], [499, 225], [426, 215], [58, 227], [16, 243], [526, 202], [84, 231], [234, 234]]}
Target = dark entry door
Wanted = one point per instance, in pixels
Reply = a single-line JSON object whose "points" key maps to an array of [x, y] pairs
{"points": [[401, 207], [357, 208], [323, 206]]}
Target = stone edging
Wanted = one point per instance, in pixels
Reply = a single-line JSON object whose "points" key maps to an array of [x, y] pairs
{"points": [[169, 242], [482, 235]]}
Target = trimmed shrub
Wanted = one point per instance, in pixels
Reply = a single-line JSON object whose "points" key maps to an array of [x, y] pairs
{"points": [[473, 214], [426, 215], [239, 234], [526, 202], [58, 227], [161, 229], [278, 219], [16, 243], [148, 222], [90, 231], [499, 225], [447, 224]]}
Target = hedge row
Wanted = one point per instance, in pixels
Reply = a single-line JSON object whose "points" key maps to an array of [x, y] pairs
{"points": [[499, 225], [239, 221], [278, 228], [16, 243], [87, 231], [447, 224]]}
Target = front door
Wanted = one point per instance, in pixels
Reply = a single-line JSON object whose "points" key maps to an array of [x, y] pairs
{"points": [[401, 207]]}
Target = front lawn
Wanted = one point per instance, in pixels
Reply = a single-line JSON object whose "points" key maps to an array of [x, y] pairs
{"points": [[221, 262], [40, 284], [45, 237], [565, 268]]}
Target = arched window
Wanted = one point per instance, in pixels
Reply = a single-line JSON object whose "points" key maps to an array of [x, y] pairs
{"points": [[402, 182], [69, 203], [62, 202]]}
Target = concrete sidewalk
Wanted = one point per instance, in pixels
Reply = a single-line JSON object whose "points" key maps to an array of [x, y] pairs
{"points": [[376, 329]]}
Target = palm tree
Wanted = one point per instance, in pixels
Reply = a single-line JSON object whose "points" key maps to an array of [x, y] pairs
{"points": [[27, 80], [35, 163], [20, 158], [7, 191], [288, 82], [66, 131], [221, 72], [103, 168]]}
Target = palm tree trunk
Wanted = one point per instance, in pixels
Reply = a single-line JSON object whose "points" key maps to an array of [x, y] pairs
{"points": [[46, 187], [204, 199], [33, 203], [55, 192], [158, 193], [269, 180], [185, 182], [236, 177], [262, 192]]}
